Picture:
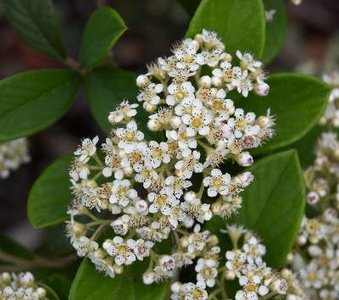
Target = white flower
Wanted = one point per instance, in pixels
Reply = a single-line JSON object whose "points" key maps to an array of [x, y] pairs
{"points": [[247, 61], [124, 111], [84, 245], [121, 225], [217, 183], [142, 248], [195, 209], [120, 250], [189, 164], [87, 148], [129, 135], [146, 176], [79, 169], [122, 192], [253, 248], [280, 286], [180, 92], [197, 240], [207, 271], [189, 291], [235, 261], [177, 185], [150, 96], [158, 153], [162, 201], [198, 120]]}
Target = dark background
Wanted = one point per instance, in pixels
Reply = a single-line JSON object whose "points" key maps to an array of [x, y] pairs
{"points": [[153, 27]]}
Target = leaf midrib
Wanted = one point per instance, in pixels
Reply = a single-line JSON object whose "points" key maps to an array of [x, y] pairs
{"points": [[30, 100]]}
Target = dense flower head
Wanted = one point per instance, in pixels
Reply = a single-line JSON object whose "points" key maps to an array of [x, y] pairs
{"points": [[12, 155], [137, 190], [315, 258], [246, 264], [20, 286]]}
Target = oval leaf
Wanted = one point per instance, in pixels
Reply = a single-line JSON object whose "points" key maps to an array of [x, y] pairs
{"points": [[297, 101], [273, 205], [32, 101], [36, 24], [89, 284], [102, 31], [50, 195], [276, 29], [240, 24]]}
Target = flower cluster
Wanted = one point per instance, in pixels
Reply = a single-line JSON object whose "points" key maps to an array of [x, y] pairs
{"points": [[20, 287], [138, 192], [316, 256], [12, 155], [246, 264], [331, 116]]}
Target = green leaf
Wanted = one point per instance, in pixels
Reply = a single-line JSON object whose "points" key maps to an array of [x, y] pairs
{"points": [[102, 31], [37, 25], [276, 30], [107, 87], [59, 283], [89, 284], [297, 101], [50, 195], [240, 24], [273, 205], [306, 146], [32, 101]]}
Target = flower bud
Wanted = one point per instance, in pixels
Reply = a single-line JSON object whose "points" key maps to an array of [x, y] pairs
{"points": [[244, 159], [261, 89], [142, 80], [205, 81], [312, 198]]}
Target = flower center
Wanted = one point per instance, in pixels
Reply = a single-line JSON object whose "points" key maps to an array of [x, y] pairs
{"points": [[250, 288], [196, 122], [240, 123], [129, 136], [180, 95], [122, 250], [217, 182], [161, 200]]}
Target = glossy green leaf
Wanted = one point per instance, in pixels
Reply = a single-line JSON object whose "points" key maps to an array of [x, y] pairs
{"points": [[306, 146], [50, 195], [297, 102], [106, 88], [276, 29], [240, 24], [102, 31], [89, 284], [37, 25], [59, 283], [273, 205], [32, 101]]}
